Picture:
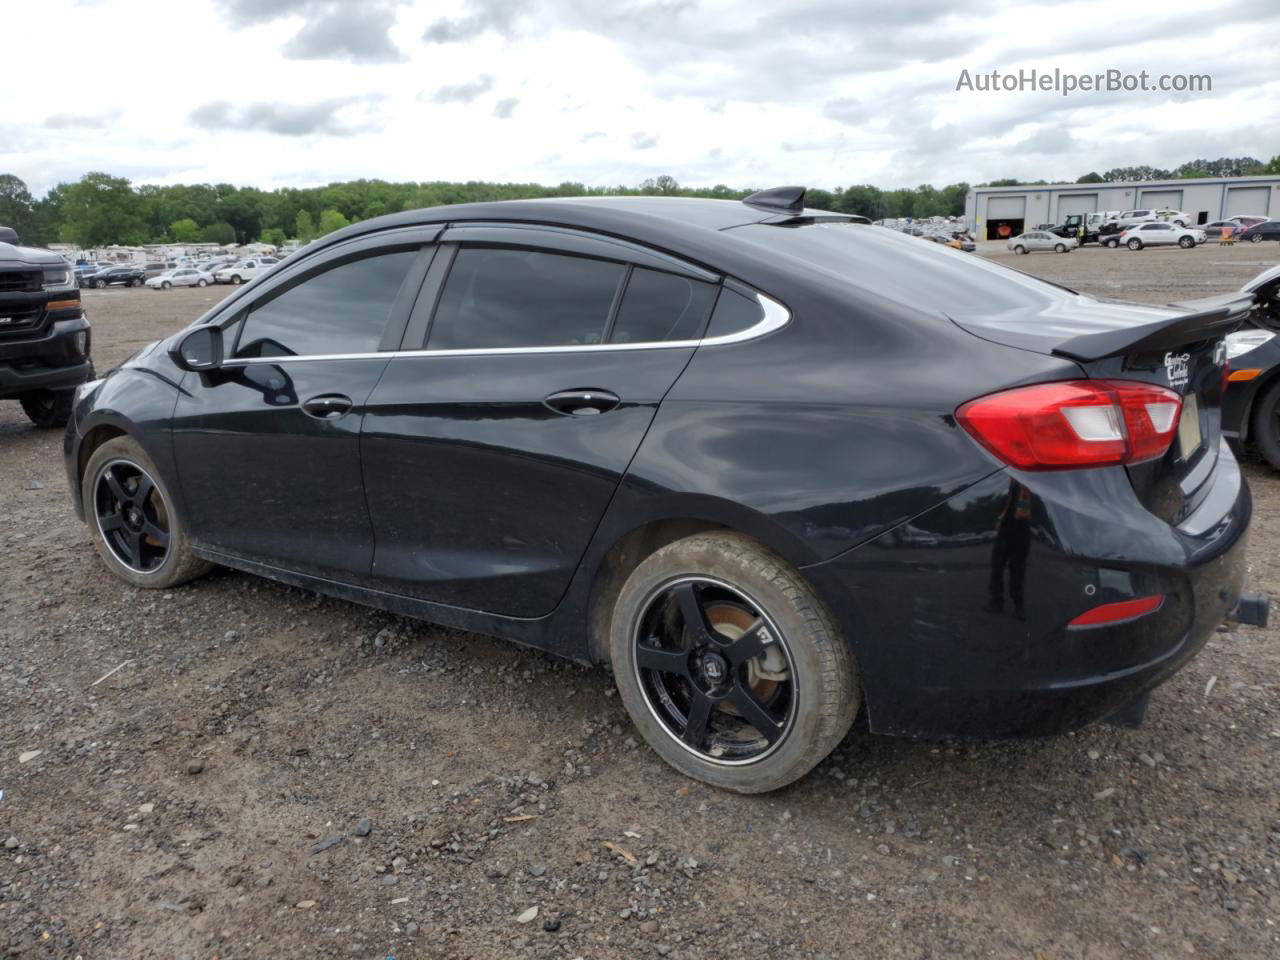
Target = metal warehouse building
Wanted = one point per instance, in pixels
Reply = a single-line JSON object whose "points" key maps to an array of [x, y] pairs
{"points": [[998, 212]]}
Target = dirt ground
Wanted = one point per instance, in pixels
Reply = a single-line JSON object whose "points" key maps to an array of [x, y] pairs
{"points": [[207, 798]]}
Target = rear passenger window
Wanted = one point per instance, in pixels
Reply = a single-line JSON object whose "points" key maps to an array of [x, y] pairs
{"points": [[733, 314], [500, 297], [341, 310], [662, 306]]}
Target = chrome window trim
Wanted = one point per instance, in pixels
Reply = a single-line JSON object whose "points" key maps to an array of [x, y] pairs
{"points": [[776, 316]]}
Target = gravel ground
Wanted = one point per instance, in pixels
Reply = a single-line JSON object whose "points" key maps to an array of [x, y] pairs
{"points": [[273, 774]]}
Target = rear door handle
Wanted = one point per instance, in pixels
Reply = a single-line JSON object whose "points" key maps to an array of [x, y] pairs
{"points": [[329, 406], [584, 402]]}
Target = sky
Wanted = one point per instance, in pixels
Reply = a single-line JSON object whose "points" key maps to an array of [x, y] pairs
{"points": [[277, 93]]}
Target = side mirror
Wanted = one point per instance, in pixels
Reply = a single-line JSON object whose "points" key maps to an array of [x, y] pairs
{"points": [[199, 350]]}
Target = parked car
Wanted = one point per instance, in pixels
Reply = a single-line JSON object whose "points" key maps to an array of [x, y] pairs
{"points": [[1092, 223], [157, 267], [86, 271], [127, 275], [244, 270], [1213, 229], [1159, 234], [675, 435], [1251, 407], [1128, 218], [1036, 240], [44, 335], [182, 277], [1267, 230], [1248, 220], [1179, 217]]}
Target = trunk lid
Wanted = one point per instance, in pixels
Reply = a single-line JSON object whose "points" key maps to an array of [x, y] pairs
{"points": [[1178, 346]]}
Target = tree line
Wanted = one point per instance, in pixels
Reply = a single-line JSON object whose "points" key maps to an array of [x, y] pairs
{"points": [[100, 209]]}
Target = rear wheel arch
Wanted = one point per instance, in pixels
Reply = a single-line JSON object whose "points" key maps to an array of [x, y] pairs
{"points": [[632, 547]]}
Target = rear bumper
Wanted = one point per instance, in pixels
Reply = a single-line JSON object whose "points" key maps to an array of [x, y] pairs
{"points": [[53, 361], [931, 609]]}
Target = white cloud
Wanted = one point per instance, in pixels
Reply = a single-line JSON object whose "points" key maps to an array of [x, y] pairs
{"points": [[743, 92]]}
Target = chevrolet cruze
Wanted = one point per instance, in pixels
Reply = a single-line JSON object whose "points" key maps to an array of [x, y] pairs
{"points": [[773, 466]]}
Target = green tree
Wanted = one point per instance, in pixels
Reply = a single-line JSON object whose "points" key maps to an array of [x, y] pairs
{"points": [[220, 233], [306, 230], [17, 208], [185, 230], [273, 236], [331, 220], [101, 209], [1091, 177], [864, 200]]}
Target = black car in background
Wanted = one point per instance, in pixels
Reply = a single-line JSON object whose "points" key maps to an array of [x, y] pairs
{"points": [[124, 275], [44, 336], [1267, 230], [1251, 408], [773, 465]]}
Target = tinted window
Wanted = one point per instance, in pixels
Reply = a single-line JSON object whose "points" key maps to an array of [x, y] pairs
{"points": [[523, 298], [892, 265], [341, 310], [734, 313], [661, 306]]}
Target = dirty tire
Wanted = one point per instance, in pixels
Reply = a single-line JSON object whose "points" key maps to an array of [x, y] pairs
{"points": [[826, 683], [180, 565], [1266, 423], [49, 409]]}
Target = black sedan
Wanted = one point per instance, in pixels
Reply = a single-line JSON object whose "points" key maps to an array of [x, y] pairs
{"points": [[1251, 408], [774, 466], [1267, 230], [125, 275]]}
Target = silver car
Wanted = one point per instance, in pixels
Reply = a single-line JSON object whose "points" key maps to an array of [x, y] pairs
{"points": [[182, 277], [1160, 234], [1034, 240]]}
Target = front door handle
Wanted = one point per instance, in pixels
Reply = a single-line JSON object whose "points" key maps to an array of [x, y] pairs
{"points": [[584, 402], [329, 406]]}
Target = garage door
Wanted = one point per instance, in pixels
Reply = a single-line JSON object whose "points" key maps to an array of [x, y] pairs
{"points": [[1076, 203], [1006, 208], [1242, 201], [1159, 199]]}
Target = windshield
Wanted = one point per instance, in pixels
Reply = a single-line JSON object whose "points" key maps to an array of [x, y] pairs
{"points": [[928, 276]]}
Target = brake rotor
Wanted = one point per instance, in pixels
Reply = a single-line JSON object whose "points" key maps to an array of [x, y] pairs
{"points": [[763, 673]]}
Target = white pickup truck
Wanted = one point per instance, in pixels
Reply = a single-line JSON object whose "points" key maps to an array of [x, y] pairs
{"points": [[243, 271]]}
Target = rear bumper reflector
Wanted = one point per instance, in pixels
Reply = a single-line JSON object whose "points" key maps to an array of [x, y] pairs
{"points": [[1109, 614]]}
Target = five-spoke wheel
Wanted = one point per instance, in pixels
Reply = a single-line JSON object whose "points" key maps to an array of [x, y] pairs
{"points": [[714, 670], [728, 663], [131, 516], [134, 523]]}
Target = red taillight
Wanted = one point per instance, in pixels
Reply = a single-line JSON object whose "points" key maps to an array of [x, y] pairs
{"points": [[1110, 613], [1075, 423]]}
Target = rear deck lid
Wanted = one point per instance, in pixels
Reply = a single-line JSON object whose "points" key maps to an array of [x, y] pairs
{"points": [[1179, 347]]}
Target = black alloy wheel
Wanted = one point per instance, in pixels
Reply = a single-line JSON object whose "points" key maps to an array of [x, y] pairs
{"points": [[131, 516], [715, 671]]}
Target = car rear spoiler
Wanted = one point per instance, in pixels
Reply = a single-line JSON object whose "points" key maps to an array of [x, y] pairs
{"points": [[1208, 320]]}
